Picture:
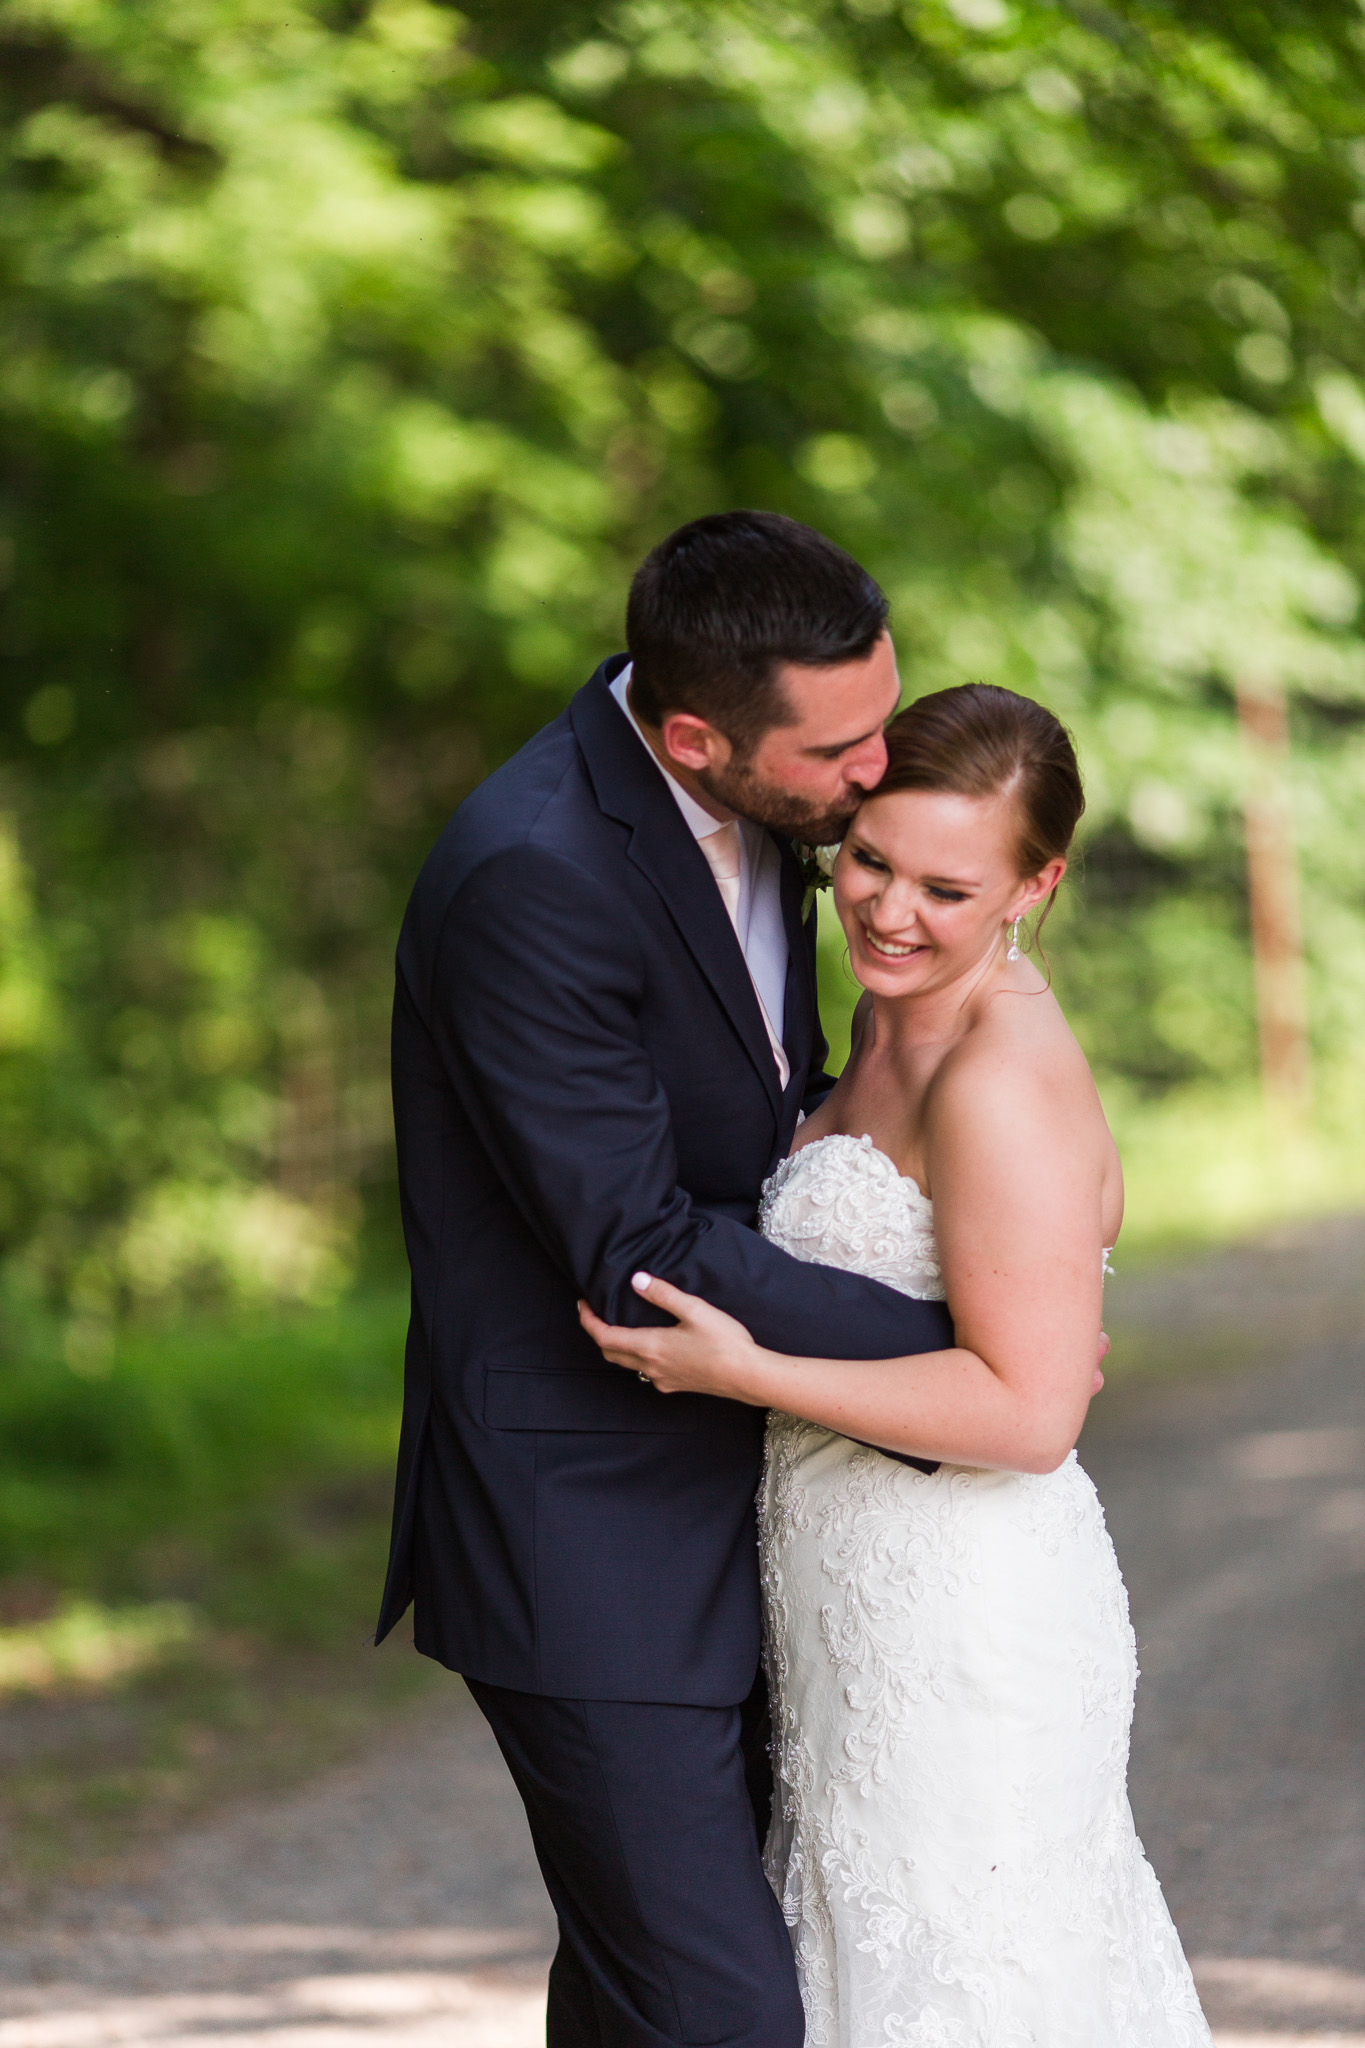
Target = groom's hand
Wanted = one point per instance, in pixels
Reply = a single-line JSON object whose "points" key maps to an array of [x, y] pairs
{"points": [[1098, 1380]]}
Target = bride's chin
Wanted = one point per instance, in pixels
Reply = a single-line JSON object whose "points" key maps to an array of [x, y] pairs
{"points": [[890, 977]]}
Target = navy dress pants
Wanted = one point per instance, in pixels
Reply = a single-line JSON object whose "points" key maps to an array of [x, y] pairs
{"points": [[646, 1821]]}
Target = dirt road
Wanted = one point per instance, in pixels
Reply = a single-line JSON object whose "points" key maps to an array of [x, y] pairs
{"points": [[395, 1902]]}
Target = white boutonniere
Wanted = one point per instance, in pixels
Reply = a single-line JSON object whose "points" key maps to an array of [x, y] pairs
{"points": [[817, 871]]}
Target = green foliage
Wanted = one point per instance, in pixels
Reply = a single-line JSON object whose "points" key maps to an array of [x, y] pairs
{"points": [[237, 1465], [352, 355]]}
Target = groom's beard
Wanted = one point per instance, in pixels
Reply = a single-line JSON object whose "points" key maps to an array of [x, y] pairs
{"points": [[767, 803]]}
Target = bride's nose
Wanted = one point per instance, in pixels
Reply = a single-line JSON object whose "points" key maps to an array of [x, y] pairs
{"points": [[894, 909]]}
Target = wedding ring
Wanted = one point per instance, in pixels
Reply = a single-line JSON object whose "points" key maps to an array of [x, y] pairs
{"points": [[643, 1376]]}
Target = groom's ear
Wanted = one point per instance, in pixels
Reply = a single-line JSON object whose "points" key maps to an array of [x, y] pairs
{"points": [[692, 742]]}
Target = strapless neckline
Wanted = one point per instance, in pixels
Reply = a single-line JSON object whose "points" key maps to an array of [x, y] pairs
{"points": [[865, 1145]]}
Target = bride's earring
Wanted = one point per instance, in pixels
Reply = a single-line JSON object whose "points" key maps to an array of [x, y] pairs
{"points": [[1014, 953]]}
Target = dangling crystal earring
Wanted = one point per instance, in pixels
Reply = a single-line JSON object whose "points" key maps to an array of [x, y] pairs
{"points": [[1014, 953]]}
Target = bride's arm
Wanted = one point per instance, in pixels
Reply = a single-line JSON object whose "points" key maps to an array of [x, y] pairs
{"points": [[1017, 1217]]}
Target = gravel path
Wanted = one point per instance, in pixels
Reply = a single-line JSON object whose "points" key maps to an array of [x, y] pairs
{"points": [[395, 1902], [1235, 1492]]}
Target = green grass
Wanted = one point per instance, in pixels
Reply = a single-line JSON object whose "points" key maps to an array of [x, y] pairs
{"points": [[192, 1545], [236, 1464], [1208, 1165]]}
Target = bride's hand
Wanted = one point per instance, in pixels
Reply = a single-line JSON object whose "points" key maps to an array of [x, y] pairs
{"points": [[705, 1352]]}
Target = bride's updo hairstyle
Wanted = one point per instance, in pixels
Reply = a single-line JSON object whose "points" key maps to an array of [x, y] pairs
{"points": [[979, 740]]}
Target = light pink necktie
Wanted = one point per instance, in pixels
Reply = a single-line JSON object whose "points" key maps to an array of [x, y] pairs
{"points": [[724, 852]]}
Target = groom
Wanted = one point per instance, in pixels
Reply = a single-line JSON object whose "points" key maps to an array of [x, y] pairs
{"points": [[604, 1030]]}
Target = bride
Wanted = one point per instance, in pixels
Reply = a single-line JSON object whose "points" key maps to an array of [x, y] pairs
{"points": [[950, 1658]]}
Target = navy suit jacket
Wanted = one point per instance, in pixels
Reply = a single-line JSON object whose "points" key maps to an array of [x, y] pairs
{"points": [[583, 1087]]}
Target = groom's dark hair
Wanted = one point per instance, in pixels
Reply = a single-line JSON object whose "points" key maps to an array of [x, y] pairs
{"points": [[717, 609]]}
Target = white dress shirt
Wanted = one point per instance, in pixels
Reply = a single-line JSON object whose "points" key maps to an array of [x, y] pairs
{"points": [[755, 908]]}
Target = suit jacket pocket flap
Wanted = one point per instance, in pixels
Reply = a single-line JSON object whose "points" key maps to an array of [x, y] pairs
{"points": [[594, 1400]]}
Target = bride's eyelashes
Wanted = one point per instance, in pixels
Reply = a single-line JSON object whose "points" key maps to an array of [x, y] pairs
{"points": [[869, 861], [876, 866]]}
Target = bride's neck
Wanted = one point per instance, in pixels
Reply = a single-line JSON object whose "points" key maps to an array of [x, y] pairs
{"points": [[935, 1016]]}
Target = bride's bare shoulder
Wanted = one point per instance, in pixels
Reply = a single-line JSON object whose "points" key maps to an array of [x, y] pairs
{"points": [[1019, 1051], [1014, 1110]]}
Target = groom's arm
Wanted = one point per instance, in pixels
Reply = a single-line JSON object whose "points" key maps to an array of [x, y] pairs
{"points": [[533, 996]]}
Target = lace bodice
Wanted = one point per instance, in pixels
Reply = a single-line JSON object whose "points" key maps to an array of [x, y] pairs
{"points": [[841, 1202]]}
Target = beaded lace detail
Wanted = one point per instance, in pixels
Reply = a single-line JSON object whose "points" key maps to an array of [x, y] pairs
{"points": [[952, 1673], [841, 1202]]}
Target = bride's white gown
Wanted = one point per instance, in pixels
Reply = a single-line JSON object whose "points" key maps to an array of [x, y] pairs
{"points": [[952, 1670]]}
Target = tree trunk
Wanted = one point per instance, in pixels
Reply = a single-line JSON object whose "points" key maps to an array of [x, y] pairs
{"points": [[1273, 890]]}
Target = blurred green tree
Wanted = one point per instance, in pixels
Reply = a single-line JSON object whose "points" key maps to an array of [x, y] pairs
{"points": [[353, 353]]}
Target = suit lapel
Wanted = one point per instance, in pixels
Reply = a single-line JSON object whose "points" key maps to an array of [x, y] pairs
{"points": [[662, 848], [798, 1024], [630, 787]]}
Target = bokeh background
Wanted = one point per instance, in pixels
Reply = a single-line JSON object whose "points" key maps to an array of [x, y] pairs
{"points": [[350, 357]]}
